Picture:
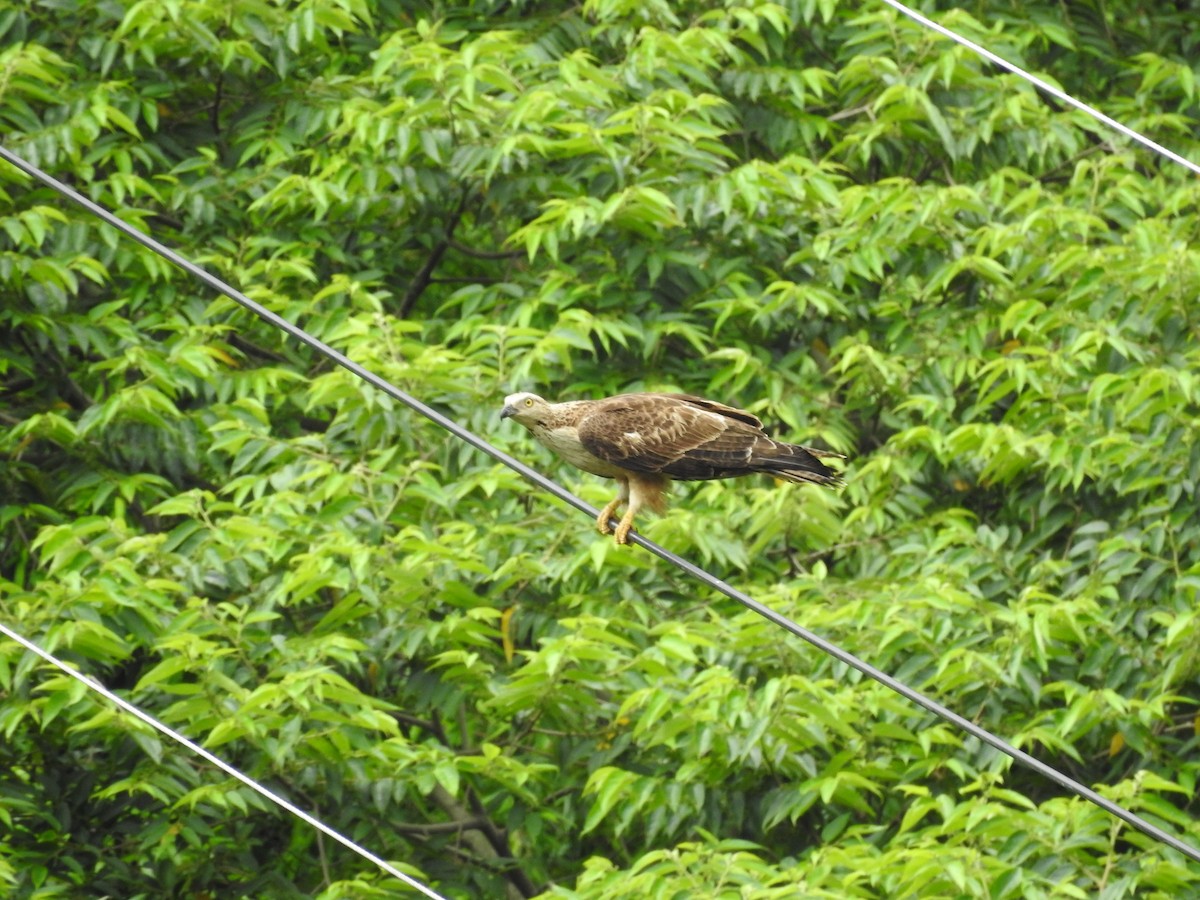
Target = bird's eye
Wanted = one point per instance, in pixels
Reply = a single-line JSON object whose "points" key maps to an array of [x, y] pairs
{"points": [[529, 401]]}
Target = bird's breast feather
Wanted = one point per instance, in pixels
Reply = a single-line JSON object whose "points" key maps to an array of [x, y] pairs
{"points": [[564, 441]]}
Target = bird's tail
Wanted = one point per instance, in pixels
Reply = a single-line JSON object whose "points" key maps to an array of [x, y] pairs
{"points": [[791, 462]]}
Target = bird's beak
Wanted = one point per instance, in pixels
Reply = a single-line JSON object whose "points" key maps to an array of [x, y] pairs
{"points": [[509, 410]]}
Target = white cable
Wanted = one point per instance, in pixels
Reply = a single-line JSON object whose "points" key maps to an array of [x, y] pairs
{"points": [[1050, 89], [219, 763]]}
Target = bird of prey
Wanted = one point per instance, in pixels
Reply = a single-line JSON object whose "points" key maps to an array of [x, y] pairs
{"points": [[645, 440]]}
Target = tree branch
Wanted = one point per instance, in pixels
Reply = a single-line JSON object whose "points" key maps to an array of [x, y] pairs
{"points": [[418, 828], [420, 281], [483, 838]]}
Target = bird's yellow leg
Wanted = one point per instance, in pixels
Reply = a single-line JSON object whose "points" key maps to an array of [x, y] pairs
{"points": [[621, 535], [640, 491], [608, 511]]}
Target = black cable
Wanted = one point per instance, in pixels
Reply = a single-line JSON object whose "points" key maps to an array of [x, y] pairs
{"points": [[562, 493]]}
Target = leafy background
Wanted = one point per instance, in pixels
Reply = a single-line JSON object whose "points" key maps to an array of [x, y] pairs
{"points": [[814, 209]]}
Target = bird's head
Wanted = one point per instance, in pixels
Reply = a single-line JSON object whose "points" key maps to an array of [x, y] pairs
{"points": [[526, 408]]}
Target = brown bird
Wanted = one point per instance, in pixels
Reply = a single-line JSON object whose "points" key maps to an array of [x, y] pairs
{"points": [[645, 440]]}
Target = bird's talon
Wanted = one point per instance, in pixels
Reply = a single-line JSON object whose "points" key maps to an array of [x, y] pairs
{"points": [[605, 516]]}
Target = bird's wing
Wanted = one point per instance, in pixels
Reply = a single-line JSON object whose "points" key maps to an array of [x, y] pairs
{"points": [[729, 412], [673, 434]]}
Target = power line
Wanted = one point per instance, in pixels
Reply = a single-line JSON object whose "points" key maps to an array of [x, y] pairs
{"points": [[217, 761], [1042, 85], [566, 496]]}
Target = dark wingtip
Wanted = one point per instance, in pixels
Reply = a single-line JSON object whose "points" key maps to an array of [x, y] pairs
{"points": [[803, 465], [824, 454], [808, 476]]}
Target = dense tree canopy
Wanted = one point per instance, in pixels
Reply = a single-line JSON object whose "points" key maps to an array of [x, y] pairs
{"points": [[814, 209]]}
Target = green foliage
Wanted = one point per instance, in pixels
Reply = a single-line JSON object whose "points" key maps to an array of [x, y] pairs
{"points": [[815, 209]]}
